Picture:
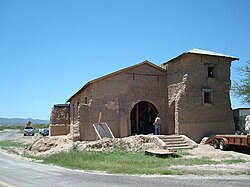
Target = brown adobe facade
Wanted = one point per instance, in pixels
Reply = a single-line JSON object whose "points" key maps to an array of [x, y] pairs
{"points": [[190, 92]]}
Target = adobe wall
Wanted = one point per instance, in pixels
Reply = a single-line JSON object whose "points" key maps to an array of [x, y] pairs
{"points": [[177, 94], [116, 96], [59, 121], [187, 76]]}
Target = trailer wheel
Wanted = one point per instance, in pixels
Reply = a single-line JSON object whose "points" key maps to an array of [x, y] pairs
{"points": [[216, 143], [223, 145]]}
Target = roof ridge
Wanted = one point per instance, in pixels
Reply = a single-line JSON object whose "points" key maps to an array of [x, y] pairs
{"points": [[117, 72]]}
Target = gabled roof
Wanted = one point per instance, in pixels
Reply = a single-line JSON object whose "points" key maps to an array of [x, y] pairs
{"points": [[116, 73], [204, 52]]}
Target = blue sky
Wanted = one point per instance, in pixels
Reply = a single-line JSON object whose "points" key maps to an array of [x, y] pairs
{"points": [[50, 48]]}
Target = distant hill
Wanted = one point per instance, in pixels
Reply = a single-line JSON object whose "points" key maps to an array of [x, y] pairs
{"points": [[21, 121]]}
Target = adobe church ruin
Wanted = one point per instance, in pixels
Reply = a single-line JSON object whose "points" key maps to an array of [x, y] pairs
{"points": [[190, 92]]}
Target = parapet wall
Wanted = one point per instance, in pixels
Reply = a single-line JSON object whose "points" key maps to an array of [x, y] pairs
{"points": [[59, 120]]}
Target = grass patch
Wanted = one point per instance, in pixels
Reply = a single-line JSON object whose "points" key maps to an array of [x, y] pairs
{"points": [[122, 162], [234, 161], [247, 172], [3, 127], [183, 153]]}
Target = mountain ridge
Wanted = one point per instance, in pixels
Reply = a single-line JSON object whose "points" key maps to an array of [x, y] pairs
{"points": [[21, 121]]}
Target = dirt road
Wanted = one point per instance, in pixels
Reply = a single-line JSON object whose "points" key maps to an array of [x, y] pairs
{"points": [[10, 134], [16, 135]]}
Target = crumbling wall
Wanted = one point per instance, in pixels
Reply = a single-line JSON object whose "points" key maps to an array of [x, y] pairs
{"points": [[175, 94], [59, 120], [75, 127]]}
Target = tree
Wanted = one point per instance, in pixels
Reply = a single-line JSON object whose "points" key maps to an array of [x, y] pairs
{"points": [[29, 124], [241, 88]]}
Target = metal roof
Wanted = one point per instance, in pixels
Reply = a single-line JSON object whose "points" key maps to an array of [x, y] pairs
{"points": [[211, 53], [203, 52]]}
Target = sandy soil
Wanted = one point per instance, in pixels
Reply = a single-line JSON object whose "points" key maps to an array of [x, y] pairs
{"points": [[208, 151], [218, 155]]}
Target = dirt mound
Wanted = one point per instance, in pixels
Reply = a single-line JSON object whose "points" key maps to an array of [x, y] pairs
{"points": [[132, 143], [55, 144], [49, 145]]}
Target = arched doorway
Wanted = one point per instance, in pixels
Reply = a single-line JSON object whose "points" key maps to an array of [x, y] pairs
{"points": [[142, 117]]}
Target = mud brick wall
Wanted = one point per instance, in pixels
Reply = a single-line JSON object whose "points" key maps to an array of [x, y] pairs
{"points": [[59, 121]]}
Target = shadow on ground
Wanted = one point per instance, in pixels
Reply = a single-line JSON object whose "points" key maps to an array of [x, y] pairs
{"points": [[240, 149]]}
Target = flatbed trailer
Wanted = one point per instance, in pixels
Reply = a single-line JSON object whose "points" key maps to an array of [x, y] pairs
{"points": [[224, 141]]}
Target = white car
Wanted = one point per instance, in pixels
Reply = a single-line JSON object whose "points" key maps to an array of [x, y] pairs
{"points": [[28, 131]]}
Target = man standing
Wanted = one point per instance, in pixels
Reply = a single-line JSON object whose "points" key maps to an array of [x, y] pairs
{"points": [[157, 125]]}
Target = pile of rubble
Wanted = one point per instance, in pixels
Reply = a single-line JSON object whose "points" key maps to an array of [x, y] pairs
{"points": [[131, 144], [55, 144], [49, 145]]}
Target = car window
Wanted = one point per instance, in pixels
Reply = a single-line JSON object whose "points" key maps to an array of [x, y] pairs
{"points": [[28, 128]]}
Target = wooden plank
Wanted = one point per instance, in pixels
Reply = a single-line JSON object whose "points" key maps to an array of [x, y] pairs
{"points": [[231, 136], [160, 153]]}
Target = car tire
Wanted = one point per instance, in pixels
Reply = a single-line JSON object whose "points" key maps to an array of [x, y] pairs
{"points": [[216, 143], [222, 145]]}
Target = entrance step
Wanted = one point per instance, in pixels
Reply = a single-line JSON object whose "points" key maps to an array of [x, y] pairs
{"points": [[177, 142], [160, 153], [172, 140]]}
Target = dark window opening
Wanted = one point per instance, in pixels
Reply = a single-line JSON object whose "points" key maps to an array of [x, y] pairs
{"points": [[86, 100], [207, 97], [210, 71]]}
